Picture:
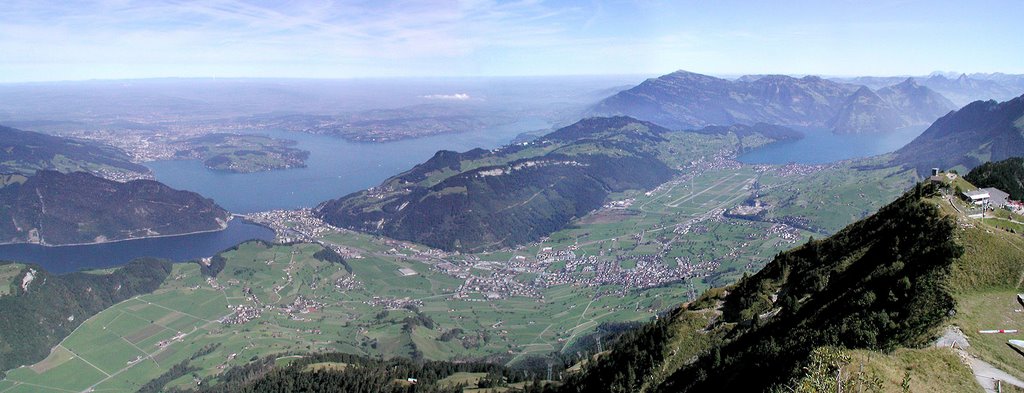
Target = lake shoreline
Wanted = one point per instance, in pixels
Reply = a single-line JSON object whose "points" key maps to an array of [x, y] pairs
{"points": [[335, 167], [175, 248], [222, 228]]}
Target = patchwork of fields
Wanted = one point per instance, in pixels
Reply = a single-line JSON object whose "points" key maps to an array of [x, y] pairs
{"points": [[280, 299], [301, 309]]}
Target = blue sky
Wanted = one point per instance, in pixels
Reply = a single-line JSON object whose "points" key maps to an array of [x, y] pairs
{"points": [[117, 39]]}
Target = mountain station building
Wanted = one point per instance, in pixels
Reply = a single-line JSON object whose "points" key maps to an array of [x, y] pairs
{"points": [[977, 197], [993, 196], [996, 197]]}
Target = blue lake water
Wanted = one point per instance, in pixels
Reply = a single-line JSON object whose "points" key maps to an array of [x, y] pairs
{"points": [[821, 147], [335, 168], [96, 256]]}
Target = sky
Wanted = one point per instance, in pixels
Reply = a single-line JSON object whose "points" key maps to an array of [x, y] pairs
{"points": [[43, 40]]}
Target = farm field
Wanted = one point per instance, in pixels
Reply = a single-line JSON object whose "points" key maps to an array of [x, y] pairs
{"points": [[683, 221], [828, 200], [7, 273], [395, 300], [296, 305]]}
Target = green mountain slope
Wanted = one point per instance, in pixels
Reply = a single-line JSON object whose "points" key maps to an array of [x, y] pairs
{"points": [[41, 309], [343, 373], [54, 208], [243, 153], [526, 195], [883, 284], [517, 194], [25, 152], [827, 200], [979, 132], [479, 199]]}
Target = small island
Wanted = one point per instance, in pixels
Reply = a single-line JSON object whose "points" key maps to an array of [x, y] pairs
{"points": [[242, 153]]}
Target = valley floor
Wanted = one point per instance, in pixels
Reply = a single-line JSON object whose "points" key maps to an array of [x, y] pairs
{"points": [[641, 254]]}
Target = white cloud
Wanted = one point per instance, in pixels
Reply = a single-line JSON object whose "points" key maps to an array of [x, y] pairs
{"points": [[448, 97]]}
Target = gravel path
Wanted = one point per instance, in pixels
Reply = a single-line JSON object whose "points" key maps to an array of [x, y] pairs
{"points": [[985, 373]]}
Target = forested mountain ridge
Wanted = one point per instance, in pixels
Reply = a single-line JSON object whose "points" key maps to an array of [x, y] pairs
{"points": [[480, 199], [883, 283], [41, 308], [1006, 175], [979, 132], [484, 199], [752, 136], [686, 100], [53, 208], [24, 152], [324, 373]]}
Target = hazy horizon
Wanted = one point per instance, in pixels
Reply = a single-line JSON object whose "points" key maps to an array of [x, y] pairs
{"points": [[123, 39], [730, 76]]}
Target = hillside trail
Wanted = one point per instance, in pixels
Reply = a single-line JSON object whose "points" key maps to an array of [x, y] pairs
{"points": [[985, 373]]}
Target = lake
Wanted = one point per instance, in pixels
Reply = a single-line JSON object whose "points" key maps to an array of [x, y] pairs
{"points": [[822, 147], [335, 168], [97, 256]]}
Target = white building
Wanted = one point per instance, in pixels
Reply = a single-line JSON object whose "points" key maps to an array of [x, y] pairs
{"points": [[978, 197]]}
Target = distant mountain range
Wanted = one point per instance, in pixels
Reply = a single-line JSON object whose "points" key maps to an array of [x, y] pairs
{"points": [[54, 208], [686, 100], [979, 132], [24, 152], [889, 108], [961, 89]]}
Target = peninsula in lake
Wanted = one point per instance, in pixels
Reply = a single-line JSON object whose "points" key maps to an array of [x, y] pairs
{"points": [[54, 208]]}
